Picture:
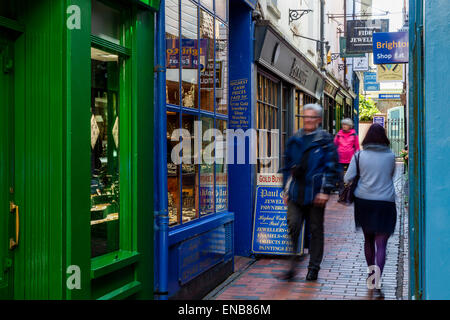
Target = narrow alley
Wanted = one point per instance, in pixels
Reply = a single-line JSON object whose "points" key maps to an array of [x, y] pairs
{"points": [[343, 271]]}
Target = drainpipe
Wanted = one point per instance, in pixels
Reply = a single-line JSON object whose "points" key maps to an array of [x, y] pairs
{"points": [[322, 34], [161, 203]]}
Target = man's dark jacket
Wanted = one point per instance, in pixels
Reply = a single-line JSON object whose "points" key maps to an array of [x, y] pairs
{"points": [[314, 167]]}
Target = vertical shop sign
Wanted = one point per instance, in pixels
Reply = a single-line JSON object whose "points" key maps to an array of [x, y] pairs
{"points": [[239, 117]]}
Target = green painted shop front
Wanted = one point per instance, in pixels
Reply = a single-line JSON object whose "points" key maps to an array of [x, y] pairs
{"points": [[76, 184]]}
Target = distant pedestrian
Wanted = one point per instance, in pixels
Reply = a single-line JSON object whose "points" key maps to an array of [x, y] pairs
{"points": [[309, 175], [375, 210], [347, 143]]}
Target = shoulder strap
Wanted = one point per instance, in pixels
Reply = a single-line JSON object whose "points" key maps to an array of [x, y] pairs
{"points": [[357, 162]]}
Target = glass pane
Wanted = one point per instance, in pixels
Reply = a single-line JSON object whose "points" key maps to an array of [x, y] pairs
{"points": [[206, 61], [208, 3], [105, 22], [105, 194], [221, 168], [221, 9], [189, 190], [189, 54], [172, 52], [221, 68], [173, 171], [207, 169]]}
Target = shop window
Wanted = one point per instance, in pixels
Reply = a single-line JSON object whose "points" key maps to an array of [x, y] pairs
{"points": [[189, 55], [106, 22], [189, 175], [221, 168], [208, 3], [301, 99], [267, 119], [105, 192], [173, 171], [221, 31], [221, 9], [198, 186], [207, 169], [172, 52], [206, 61]]}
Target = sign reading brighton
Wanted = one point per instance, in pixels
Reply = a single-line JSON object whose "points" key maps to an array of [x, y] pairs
{"points": [[360, 32], [390, 47]]}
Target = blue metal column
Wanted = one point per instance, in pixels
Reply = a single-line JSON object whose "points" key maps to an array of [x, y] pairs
{"points": [[242, 176], [416, 151], [161, 202]]}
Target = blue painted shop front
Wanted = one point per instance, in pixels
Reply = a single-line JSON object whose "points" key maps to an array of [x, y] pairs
{"points": [[194, 218], [429, 146]]}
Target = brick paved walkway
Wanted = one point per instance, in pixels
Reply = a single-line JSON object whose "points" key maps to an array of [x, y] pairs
{"points": [[342, 274]]}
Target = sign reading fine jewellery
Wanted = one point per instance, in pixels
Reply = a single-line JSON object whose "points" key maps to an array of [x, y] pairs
{"points": [[270, 229], [360, 32]]}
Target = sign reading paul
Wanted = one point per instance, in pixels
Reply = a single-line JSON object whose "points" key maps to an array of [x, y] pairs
{"points": [[270, 229], [390, 47], [360, 32]]}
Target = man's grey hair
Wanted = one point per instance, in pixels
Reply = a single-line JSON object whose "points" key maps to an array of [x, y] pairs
{"points": [[347, 121], [314, 106]]}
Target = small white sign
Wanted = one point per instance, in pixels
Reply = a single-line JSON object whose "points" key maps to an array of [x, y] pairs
{"points": [[361, 63]]}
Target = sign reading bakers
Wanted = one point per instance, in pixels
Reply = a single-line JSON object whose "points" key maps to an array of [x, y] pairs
{"points": [[360, 33]]}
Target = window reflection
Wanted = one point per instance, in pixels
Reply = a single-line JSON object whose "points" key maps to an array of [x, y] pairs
{"points": [[206, 61], [173, 171], [221, 67], [221, 168], [189, 192], [221, 9], [172, 52], [105, 194], [189, 55], [207, 168]]}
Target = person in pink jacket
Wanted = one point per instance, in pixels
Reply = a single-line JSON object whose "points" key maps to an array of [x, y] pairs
{"points": [[347, 143]]}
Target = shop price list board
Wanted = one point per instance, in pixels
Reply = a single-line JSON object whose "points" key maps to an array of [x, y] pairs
{"points": [[239, 104], [270, 229]]}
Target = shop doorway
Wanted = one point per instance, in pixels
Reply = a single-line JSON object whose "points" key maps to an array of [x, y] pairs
{"points": [[9, 209]]}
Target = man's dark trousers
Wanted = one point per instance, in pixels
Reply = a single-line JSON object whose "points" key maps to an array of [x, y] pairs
{"points": [[296, 214]]}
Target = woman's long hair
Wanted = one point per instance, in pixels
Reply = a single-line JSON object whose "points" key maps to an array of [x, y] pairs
{"points": [[376, 135]]}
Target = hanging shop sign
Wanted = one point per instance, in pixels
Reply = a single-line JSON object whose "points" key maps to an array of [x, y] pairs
{"points": [[390, 72], [370, 82], [389, 96], [361, 64], [390, 47], [379, 119], [278, 56], [343, 49], [360, 33], [270, 229]]}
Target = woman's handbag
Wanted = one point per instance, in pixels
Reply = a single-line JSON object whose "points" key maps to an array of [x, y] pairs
{"points": [[347, 196]]}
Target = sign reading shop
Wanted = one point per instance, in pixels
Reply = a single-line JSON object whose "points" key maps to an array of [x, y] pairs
{"points": [[360, 34]]}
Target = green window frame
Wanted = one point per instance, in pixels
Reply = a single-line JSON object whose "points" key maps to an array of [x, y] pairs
{"points": [[127, 249]]}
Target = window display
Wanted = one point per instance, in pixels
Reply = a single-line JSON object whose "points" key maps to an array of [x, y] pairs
{"points": [[196, 188], [105, 193]]}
